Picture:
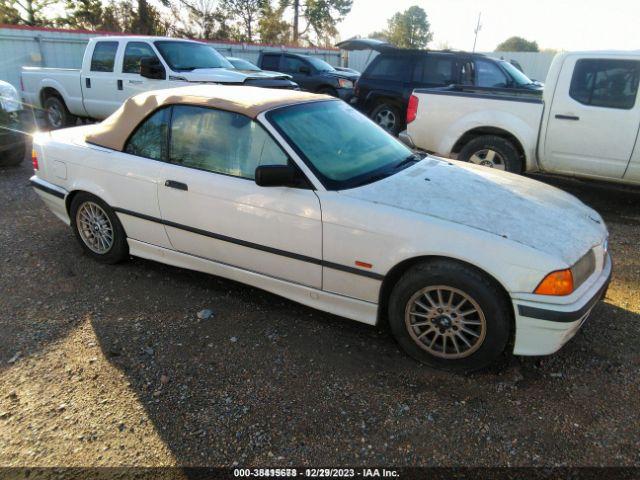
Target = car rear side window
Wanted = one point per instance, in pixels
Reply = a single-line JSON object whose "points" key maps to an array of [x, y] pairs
{"points": [[150, 138], [387, 67], [434, 70], [134, 52], [221, 142], [488, 74], [104, 56], [270, 62], [605, 83]]}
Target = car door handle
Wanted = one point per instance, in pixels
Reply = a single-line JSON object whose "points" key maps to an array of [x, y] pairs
{"points": [[87, 82], [119, 84], [176, 185], [568, 117]]}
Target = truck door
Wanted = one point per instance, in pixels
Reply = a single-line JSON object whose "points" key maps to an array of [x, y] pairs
{"points": [[99, 83], [129, 81], [593, 118]]}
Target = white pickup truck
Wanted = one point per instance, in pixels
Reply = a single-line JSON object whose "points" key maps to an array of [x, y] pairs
{"points": [[115, 68], [585, 123]]}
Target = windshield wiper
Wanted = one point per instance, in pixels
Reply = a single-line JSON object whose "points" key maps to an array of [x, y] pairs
{"points": [[413, 158]]}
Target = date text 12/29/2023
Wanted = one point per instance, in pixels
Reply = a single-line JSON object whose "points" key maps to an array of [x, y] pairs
{"points": [[316, 472]]}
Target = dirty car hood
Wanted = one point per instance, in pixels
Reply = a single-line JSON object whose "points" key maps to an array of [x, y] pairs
{"points": [[511, 206]]}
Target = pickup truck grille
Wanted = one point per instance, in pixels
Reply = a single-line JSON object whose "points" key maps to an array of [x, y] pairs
{"points": [[583, 268]]}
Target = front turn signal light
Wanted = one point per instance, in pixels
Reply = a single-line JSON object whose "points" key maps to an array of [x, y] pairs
{"points": [[556, 283]]}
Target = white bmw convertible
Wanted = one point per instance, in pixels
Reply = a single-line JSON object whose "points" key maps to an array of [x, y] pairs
{"points": [[301, 195]]}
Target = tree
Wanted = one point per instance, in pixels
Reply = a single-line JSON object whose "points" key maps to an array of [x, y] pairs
{"points": [[84, 14], [247, 12], [409, 29], [9, 14], [271, 27], [321, 17], [517, 44], [30, 12], [205, 19]]}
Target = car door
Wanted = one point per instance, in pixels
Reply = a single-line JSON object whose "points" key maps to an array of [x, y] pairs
{"points": [[130, 82], [593, 117], [212, 208], [434, 70], [292, 65], [100, 87]]}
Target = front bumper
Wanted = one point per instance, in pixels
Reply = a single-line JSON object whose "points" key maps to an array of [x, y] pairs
{"points": [[543, 328]]}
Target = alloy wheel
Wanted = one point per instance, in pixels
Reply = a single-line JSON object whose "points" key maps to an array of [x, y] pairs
{"points": [[94, 227], [488, 158], [386, 119]]}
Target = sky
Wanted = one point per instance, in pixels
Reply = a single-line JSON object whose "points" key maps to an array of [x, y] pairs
{"points": [[559, 24]]}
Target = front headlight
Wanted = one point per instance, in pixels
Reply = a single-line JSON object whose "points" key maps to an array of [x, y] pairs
{"points": [[9, 99], [344, 83]]}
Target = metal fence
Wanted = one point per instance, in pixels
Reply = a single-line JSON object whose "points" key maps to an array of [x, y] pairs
{"points": [[47, 47], [535, 64]]}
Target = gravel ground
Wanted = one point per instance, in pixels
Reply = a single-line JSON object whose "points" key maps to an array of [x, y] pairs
{"points": [[110, 365]]}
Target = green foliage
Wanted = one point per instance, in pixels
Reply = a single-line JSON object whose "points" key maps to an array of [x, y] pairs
{"points": [[271, 27], [409, 29], [321, 18], [517, 44], [246, 12], [27, 12], [9, 14]]}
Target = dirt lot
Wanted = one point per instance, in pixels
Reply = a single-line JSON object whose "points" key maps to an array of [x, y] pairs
{"points": [[109, 365]]}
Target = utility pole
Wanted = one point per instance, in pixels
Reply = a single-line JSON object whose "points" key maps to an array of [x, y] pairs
{"points": [[478, 27], [296, 8]]}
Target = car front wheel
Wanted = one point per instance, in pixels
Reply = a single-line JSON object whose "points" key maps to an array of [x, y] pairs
{"points": [[450, 316]]}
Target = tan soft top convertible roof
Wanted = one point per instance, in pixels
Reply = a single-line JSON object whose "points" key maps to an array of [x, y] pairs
{"points": [[250, 101]]}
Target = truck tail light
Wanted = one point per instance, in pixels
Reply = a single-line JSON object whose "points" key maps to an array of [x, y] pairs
{"points": [[34, 159], [556, 283], [412, 109]]}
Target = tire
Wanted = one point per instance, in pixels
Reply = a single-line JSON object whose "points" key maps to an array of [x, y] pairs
{"points": [[13, 157], [492, 322], [505, 156], [84, 204], [389, 117], [57, 114], [328, 91]]}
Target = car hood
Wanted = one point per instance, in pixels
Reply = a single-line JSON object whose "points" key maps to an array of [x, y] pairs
{"points": [[339, 74], [226, 75], [511, 206]]}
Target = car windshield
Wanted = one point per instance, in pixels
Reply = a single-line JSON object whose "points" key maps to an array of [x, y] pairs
{"points": [[241, 64], [186, 56], [517, 76], [342, 147], [319, 65]]}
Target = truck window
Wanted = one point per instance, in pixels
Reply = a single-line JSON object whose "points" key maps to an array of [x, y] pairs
{"points": [[270, 62], [104, 56], [389, 67], [293, 64], [605, 83], [488, 74], [434, 69], [133, 53]]}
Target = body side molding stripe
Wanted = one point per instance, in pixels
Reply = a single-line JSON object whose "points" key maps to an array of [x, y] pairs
{"points": [[255, 246], [46, 189]]}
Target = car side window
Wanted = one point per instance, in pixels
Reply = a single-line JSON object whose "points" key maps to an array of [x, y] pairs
{"points": [[605, 83], [149, 140], [270, 62], [387, 67], [488, 74], [293, 64], [104, 56], [221, 142], [434, 70], [133, 53]]}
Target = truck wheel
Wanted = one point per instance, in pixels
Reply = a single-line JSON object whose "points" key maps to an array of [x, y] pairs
{"points": [[450, 316], [97, 229], [388, 116], [14, 156], [56, 113], [493, 152]]}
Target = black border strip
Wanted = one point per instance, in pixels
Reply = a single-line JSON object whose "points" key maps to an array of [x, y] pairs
{"points": [[487, 96], [46, 189], [564, 317], [255, 246]]}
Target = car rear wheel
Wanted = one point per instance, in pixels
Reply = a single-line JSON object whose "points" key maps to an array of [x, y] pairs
{"points": [[493, 152], [56, 113], [97, 229], [450, 316], [388, 116]]}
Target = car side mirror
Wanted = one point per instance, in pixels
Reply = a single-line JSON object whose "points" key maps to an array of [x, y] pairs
{"points": [[150, 67], [304, 69], [275, 176]]}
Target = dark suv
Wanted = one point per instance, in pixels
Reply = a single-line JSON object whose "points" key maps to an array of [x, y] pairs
{"points": [[385, 86], [311, 73]]}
